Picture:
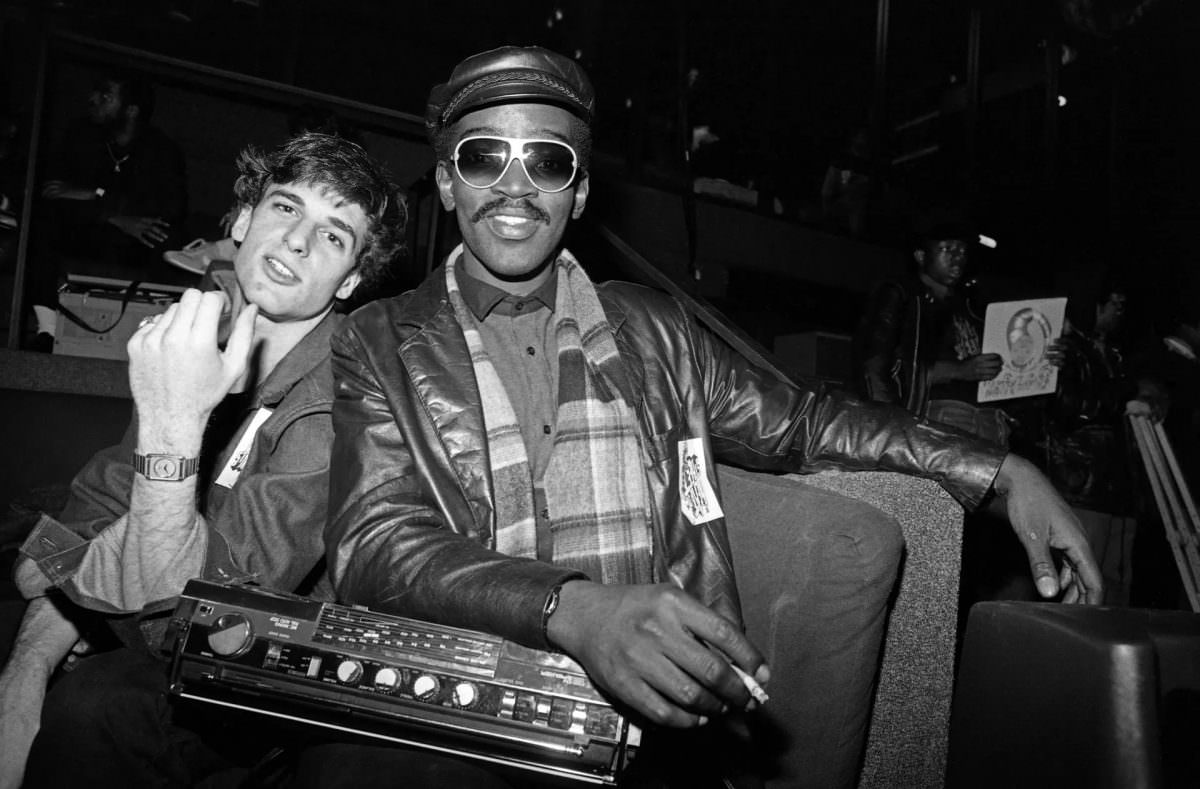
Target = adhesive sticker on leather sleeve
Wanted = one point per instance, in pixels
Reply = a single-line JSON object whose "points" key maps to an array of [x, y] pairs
{"points": [[697, 498]]}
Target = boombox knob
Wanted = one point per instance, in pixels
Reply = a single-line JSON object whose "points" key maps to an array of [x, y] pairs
{"points": [[387, 679], [425, 686], [349, 671], [230, 635], [465, 694]]}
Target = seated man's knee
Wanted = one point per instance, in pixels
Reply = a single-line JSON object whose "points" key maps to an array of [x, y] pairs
{"points": [[856, 564], [821, 563], [879, 544], [102, 694], [796, 539], [857, 545]]}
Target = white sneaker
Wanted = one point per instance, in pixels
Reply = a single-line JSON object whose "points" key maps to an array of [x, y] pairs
{"points": [[47, 319], [197, 256]]}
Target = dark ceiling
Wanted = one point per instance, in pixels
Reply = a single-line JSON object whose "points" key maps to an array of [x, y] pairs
{"points": [[1112, 173]]}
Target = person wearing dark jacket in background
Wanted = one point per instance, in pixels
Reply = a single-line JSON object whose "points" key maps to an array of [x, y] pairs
{"points": [[115, 188], [918, 342], [1089, 457]]}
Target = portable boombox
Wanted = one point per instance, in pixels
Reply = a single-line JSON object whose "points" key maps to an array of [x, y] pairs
{"points": [[402, 680]]}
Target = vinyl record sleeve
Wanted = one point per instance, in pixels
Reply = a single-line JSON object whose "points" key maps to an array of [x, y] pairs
{"points": [[1020, 331]]}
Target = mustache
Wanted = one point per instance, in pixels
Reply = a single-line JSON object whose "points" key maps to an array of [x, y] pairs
{"points": [[522, 206]]}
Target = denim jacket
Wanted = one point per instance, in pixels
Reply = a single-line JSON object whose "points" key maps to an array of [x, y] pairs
{"points": [[265, 528]]}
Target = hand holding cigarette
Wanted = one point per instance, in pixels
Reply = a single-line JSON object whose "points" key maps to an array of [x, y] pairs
{"points": [[751, 684]]}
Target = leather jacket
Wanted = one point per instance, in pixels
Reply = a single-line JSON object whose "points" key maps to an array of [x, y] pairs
{"points": [[411, 516], [899, 339], [1088, 454], [889, 364]]}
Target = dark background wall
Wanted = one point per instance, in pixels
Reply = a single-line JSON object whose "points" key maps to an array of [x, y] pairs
{"points": [[50, 435], [211, 126], [55, 412]]}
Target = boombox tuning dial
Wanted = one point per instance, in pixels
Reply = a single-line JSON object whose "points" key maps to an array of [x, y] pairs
{"points": [[465, 694], [230, 635], [387, 679], [349, 672], [425, 686]]}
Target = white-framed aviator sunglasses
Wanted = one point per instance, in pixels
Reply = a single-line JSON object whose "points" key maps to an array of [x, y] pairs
{"points": [[481, 161]]}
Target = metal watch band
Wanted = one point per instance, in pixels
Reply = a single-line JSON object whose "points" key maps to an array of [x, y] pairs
{"points": [[548, 609], [165, 468]]}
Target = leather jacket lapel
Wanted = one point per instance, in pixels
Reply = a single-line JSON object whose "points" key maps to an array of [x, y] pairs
{"points": [[435, 357]]}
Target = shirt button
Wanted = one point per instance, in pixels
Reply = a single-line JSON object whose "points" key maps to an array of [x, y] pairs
{"points": [[531, 351], [545, 513], [520, 305], [546, 429]]}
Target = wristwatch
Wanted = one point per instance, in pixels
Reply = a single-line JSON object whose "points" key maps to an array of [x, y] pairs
{"points": [[165, 468]]}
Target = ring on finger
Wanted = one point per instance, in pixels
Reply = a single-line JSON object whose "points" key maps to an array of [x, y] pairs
{"points": [[146, 321]]}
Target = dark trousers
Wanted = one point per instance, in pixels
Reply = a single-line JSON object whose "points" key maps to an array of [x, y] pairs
{"points": [[815, 571], [110, 722], [350, 765]]}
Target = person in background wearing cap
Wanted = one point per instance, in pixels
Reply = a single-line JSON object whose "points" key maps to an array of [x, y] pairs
{"points": [[222, 475], [918, 343], [521, 451]]}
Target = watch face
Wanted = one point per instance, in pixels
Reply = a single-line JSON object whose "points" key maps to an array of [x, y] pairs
{"points": [[164, 467]]}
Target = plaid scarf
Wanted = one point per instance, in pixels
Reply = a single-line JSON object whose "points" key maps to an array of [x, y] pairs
{"points": [[595, 484]]}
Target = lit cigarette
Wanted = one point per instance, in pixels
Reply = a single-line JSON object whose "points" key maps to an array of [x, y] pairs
{"points": [[755, 689]]}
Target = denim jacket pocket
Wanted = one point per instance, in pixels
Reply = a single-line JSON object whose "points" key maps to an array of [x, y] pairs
{"points": [[55, 549]]}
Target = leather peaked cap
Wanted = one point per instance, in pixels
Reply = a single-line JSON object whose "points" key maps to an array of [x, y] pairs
{"points": [[509, 75], [946, 224]]}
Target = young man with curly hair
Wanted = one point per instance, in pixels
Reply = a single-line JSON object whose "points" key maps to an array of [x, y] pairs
{"points": [[222, 473]]}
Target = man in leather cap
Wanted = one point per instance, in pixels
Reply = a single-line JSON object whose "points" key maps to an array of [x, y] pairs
{"points": [[521, 451]]}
